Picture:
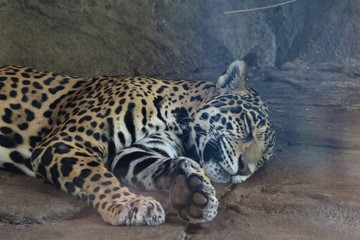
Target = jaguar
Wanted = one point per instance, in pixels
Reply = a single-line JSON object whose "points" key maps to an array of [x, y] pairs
{"points": [[96, 138]]}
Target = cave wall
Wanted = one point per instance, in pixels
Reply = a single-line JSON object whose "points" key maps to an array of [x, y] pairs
{"points": [[175, 37]]}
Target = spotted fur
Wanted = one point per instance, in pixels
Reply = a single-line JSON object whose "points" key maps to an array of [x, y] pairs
{"points": [[92, 137]]}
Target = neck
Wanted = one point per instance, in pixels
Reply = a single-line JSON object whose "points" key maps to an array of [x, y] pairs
{"points": [[182, 99], [181, 106]]}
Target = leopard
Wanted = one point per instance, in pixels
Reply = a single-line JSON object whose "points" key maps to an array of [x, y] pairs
{"points": [[99, 138]]}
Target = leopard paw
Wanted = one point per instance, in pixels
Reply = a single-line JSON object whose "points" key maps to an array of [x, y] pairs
{"points": [[194, 197], [144, 211]]}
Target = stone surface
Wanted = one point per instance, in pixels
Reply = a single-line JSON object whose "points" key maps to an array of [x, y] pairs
{"points": [[29, 200], [309, 190], [89, 37]]}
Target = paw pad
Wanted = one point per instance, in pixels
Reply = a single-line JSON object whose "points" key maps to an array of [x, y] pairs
{"points": [[194, 198]]}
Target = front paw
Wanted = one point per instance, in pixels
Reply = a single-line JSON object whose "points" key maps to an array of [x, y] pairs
{"points": [[194, 197], [140, 211]]}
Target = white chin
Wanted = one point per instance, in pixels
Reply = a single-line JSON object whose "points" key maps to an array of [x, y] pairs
{"points": [[239, 179]]}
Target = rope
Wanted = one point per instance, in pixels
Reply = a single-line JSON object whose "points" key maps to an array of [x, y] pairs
{"points": [[260, 8]]}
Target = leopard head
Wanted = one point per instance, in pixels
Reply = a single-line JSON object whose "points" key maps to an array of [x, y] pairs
{"points": [[231, 132]]}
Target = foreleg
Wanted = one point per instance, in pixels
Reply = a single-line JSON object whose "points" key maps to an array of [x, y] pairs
{"points": [[80, 173]]}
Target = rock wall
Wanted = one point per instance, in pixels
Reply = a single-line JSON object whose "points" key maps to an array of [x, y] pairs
{"points": [[173, 37]]}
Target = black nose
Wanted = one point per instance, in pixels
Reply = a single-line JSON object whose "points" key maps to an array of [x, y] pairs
{"points": [[244, 169]]}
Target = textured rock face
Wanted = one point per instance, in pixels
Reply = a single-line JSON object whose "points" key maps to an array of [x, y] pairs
{"points": [[174, 37]]}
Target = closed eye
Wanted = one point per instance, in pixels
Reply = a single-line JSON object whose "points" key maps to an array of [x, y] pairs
{"points": [[240, 140], [247, 139]]}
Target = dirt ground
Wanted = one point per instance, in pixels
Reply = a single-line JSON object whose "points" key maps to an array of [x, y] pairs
{"points": [[309, 190]]}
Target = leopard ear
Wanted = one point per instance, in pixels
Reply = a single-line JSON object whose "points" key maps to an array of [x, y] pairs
{"points": [[234, 77]]}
